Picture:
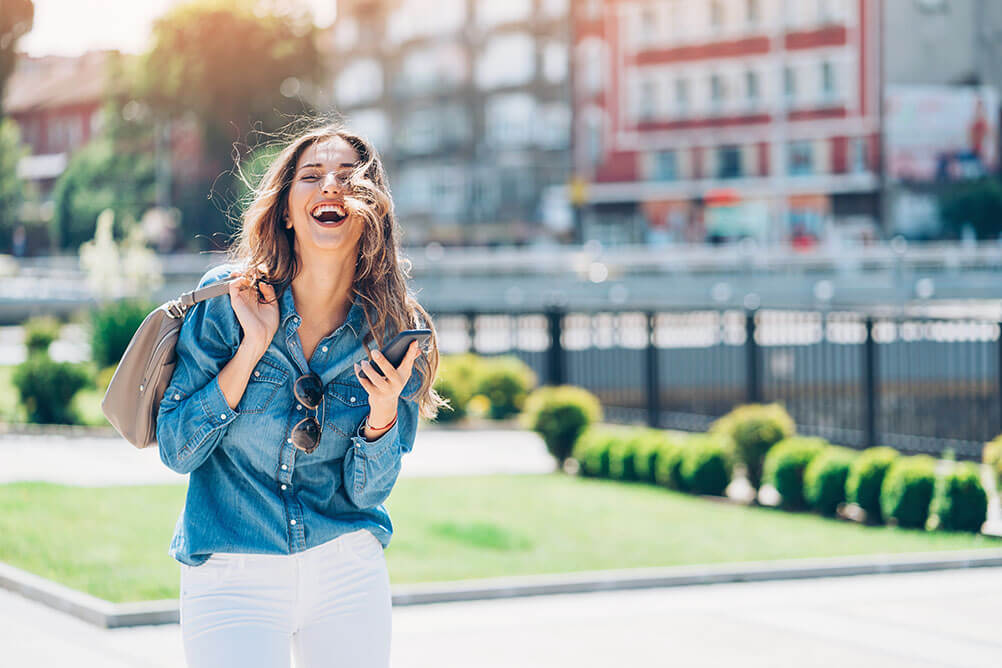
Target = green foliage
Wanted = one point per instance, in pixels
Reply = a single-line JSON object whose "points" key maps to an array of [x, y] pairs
{"points": [[706, 464], [668, 465], [16, 20], [824, 479], [647, 444], [40, 332], [866, 477], [785, 464], [754, 428], [960, 502], [46, 388], [559, 414], [506, 381], [907, 490], [978, 204], [12, 188], [622, 458], [112, 327], [591, 449], [456, 381], [991, 454]]}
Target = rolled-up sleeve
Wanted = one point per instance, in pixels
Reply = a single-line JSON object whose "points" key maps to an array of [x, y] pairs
{"points": [[193, 415], [371, 467]]}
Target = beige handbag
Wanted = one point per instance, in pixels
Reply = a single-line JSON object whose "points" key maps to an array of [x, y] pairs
{"points": [[133, 398]]}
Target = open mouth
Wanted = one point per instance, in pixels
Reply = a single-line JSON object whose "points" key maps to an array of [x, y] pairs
{"points": [[329, 214]]}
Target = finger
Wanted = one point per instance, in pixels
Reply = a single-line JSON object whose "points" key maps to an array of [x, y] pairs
{"points": [[381, 383], [383, 364], [407, 366], [366, 385]]}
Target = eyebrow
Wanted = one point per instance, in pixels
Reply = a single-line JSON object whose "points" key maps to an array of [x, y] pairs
{"points": [[317, 164]]}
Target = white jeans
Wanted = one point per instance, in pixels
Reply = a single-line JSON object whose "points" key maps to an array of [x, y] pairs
{"points": [[329, 605]]}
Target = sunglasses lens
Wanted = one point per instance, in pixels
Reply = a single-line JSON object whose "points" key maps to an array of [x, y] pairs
{"points": [[306, 434], [308, 390]]}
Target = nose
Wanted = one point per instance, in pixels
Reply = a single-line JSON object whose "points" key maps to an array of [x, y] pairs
{"points": [[330, 183]]}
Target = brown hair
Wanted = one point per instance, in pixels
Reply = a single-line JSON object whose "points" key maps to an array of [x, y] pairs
{"points": [[265, 244]]}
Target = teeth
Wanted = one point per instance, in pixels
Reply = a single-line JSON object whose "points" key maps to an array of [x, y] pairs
{"points": [[339, 210]]}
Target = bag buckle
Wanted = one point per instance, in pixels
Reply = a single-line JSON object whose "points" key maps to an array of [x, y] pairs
{"points": [[175, 309]]}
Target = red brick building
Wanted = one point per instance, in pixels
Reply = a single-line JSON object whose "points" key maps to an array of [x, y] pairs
{"points": [[703, 118]]}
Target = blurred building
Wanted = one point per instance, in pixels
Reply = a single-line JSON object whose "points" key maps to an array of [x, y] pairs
{"points": [[468, 103], [706, 119]]}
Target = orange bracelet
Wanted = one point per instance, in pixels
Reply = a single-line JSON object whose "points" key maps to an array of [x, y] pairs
{"points": [[369, 424]]}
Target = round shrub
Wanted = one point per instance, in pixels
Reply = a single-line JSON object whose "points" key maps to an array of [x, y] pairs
{"points": [[668, 465], [907, 490], [591, 450], [39, 333], [824, 479], [960, 502], [505, 381], [559, 414], [622, 457], [456, 381], [647, 444], [754, 428], [706, 464], [866, 477], [785, 464], [112, 327], [47, 388], [992, 455]]}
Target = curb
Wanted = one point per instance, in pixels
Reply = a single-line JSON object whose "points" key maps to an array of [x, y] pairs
{"points": [[115, 615]]}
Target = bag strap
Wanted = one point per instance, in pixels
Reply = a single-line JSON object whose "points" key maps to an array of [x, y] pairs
{"points": [[179, 306]]}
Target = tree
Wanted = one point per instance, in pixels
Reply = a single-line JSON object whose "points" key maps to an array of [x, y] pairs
{"points": [[16, 20], [11, 187]]}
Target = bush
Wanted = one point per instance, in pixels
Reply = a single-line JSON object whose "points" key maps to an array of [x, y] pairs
{"points": [[755, 428], [824, 479], [668, 465], [456, 409], [47, 388], [647, 444], [960, 502], [622, 453], [39, 333], [785, 464], [907, 490], [112, 327], [866, 477], [992, 455], [591, 450], [506, 381], [559, 414], [706, 464], [456, 381]]}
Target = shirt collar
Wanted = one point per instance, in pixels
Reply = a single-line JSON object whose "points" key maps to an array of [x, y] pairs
{"points": [[287, 311]]}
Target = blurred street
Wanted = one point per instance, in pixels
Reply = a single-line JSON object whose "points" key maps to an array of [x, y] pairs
{"points": [[944, 619]]}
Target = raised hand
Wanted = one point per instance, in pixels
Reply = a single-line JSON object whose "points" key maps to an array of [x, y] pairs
{"points": [[258, 320]]}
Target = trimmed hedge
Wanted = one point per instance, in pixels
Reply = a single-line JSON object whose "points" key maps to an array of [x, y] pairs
{"points": [[992, 455], [706, 464], [668, 465], [754, 429], [960, 502], [506, 382], [907, 491], [824, 479], [866, 478], [46, 388], [785, 464], [647, 445], [591, 450]]}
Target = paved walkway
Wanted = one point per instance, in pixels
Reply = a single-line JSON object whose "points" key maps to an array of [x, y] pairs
{"points": [[96, 462], [947, 619]]}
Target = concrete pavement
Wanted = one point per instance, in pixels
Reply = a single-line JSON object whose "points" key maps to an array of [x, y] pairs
{"points": [[94, 462], [946, 619]]}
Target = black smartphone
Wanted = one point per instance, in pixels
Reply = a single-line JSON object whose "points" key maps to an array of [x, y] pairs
{"points": [[395, 350]]}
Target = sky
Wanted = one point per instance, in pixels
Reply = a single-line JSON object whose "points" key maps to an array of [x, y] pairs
{"points": [[72, 27]]}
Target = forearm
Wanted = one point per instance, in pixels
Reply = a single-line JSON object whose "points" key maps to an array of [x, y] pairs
{"points": [[233, 377], [379, 416]]}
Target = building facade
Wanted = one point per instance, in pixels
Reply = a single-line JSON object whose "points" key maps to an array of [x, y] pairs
{"points": [[468, 104], [714, 119]]}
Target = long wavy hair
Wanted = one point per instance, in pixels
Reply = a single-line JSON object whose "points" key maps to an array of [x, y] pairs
{"points": [[265, 247]]}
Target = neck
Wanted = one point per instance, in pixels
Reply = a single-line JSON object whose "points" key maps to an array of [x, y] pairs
{"points": [[322, 291]]}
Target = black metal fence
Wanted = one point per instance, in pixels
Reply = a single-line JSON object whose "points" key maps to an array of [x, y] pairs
{"points": [[917, 384]]}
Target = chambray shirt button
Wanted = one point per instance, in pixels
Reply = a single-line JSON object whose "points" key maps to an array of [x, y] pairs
{"points": [[283, 486], [176, 397], [284, 467], [222, 416], [292, 521], [299, 407], [324, 349], [288, 440], [352, 399], [257, 373]]}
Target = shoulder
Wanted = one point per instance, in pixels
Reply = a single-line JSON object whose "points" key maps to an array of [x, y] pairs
{"points": [[217, 273]]}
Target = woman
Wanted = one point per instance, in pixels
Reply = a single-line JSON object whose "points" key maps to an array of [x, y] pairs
{"points": [[291, 450]]}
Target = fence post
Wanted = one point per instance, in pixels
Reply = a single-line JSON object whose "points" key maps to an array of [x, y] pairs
{"points": [[870, 389], [555, 353], [653, 373], [471, 329], [752, 361]]}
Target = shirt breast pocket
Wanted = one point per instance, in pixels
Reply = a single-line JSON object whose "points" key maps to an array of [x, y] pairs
{"points": [[347, 405], [264, 382]]}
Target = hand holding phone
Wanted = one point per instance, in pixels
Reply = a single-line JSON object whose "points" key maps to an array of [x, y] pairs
{"points": [[395, 350]]}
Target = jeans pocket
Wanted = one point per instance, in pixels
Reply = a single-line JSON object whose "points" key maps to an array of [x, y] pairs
{"points": [[364, 545], [210, 574]]}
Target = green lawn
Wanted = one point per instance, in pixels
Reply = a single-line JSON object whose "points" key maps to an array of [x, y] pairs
{"points": [[112, 542]]}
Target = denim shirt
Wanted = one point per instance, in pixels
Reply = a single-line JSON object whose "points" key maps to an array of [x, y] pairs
{"points": [[251, 490]]}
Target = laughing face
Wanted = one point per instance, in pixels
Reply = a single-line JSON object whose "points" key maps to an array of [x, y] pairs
{"points": [[317, 210]]}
